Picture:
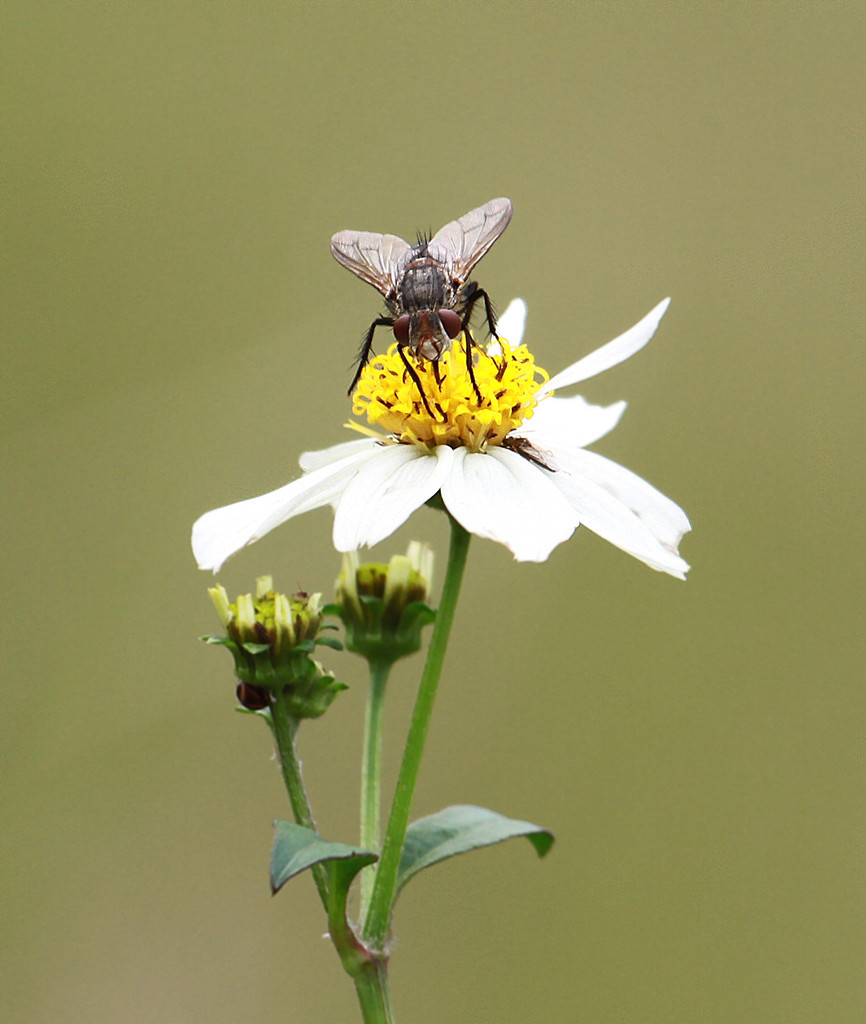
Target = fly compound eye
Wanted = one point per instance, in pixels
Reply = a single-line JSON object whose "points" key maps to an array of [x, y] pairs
{"points": [[451, 322], [401, 329]]}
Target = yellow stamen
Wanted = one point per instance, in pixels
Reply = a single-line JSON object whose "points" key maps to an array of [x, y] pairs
{"points": [[507, 382]]}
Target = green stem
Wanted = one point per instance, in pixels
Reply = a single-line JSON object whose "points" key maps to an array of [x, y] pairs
{"points": [[367, 968], [285, 728], [374, 994], [371, 775], [384, 891]]}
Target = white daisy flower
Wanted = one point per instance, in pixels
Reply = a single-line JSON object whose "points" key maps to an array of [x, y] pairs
{"points": [[513, 468]]}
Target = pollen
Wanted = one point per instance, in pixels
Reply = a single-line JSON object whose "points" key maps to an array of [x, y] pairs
{"points": [[446, 408]]}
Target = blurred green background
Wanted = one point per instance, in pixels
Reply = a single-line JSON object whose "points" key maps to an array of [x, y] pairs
{"points": [[176, 333]]}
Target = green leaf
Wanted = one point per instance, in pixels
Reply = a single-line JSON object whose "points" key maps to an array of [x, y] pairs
{"points": [[297, 848], [329, 641], [459, 829]]}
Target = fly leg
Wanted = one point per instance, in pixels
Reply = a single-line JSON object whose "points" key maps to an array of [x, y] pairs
{"points": [[472, 294], [367, 345], [470, 344], [416, 379], [489, 315]]}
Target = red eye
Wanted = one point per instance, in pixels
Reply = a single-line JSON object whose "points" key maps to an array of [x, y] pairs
{"points": [[451, 322], [401, 329]]}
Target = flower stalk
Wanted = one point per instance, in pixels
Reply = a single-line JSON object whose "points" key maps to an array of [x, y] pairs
{"points": [[374, 994], [383, 608], [368, 969], [371, 774], [377, 922], [285, 730]]}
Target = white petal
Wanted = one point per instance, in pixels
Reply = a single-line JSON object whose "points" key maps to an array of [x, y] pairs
{"points": [[609, 355], [504, 497], [662, 517], [324, 457], [512, 322], [386, 491], [573, 422], [625, 510], [221, 532]]}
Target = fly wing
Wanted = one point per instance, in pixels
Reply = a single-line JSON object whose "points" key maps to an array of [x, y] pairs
{"points": [[376, 259], [462, 243]]}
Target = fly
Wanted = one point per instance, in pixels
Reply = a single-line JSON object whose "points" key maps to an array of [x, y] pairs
{"points": [[426, 286]]}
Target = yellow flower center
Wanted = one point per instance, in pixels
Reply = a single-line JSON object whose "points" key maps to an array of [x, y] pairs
{"points": [[446, 409]]}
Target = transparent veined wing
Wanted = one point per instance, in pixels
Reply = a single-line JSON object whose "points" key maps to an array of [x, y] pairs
{"points": [[462, 243], [376, 259]]}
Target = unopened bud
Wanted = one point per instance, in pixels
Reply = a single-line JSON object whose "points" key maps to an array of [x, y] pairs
{"points": [[271, 637], [384, 607]]}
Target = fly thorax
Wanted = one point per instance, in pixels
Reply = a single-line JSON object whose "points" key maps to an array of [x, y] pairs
{"points": [[424, 286]]}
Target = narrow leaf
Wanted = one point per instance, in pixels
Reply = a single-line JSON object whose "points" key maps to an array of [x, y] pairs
{"points": [[459, 829], [297, 848]]}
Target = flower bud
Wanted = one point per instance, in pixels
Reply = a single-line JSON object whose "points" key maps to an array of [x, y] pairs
{"points": [[271, 638], [384, 607]]}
